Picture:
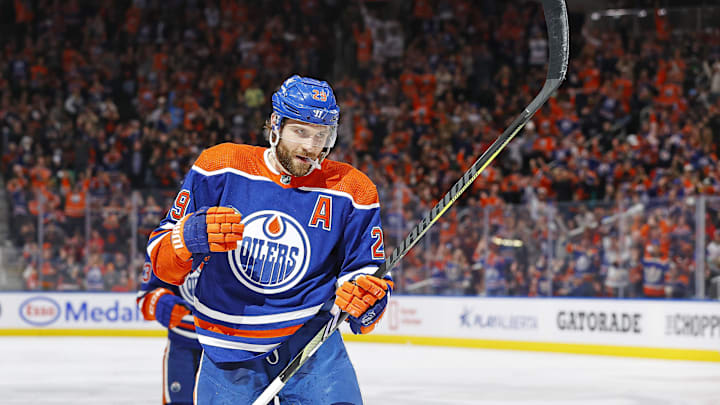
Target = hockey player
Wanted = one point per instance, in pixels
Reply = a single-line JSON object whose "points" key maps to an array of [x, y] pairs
{"points": [[171, 306], [279, 230]]}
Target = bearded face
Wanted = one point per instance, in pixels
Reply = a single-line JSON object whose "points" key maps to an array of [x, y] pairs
{"points": [[294, 159]]}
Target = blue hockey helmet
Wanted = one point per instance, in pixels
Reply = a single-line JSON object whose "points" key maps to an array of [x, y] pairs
{"points": [[307, 100]]}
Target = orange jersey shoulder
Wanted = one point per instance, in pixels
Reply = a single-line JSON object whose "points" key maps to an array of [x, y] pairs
{"points": [[334, 176], [245, 158], [344, 178]]}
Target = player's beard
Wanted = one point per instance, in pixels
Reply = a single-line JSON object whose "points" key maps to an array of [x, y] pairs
{"points": [[287, 159]]}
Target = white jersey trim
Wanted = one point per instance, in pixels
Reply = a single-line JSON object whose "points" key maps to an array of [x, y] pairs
{"points": [[166, 369], [255, 319], [266, 157], [370, 270], [312, 189], [229, 170], [185, 333], [226, 344], [342, 194]]}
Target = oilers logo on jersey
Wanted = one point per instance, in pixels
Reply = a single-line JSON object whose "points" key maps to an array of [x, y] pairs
{"points": [[274, 254]]}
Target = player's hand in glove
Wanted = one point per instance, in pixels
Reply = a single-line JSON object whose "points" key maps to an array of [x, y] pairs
{"points": [[214, 229], [364, 299], [165, 307]]}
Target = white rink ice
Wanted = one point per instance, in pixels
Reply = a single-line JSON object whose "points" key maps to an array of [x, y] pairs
{"points": [[103, 371]]}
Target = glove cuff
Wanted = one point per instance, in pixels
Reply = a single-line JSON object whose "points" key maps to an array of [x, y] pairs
{"points": [[178, 242], [151, 302]]}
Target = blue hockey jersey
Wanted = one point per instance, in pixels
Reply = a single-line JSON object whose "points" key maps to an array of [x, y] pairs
{"points": [[303, 237], [184, 333]]}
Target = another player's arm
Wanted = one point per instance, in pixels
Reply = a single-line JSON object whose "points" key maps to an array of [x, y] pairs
{"points": [[158, 302]]}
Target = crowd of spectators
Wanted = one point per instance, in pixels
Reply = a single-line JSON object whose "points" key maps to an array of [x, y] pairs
{"points": [[105, 105]]}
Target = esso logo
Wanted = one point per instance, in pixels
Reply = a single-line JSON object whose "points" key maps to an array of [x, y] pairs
{"points": [[39, 311], [274, 253]]}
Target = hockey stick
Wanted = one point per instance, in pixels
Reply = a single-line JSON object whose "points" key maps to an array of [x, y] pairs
{"points": [[559, 44]]}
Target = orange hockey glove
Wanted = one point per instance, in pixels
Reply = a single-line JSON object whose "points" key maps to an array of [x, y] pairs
{"points": [[364, 299], [214, 229]]}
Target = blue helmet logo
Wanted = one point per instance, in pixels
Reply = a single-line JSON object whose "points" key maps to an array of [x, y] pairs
{"points": [[307, 100]]}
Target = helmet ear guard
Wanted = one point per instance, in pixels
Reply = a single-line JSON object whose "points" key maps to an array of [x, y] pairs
{"points": [[274, 133]]}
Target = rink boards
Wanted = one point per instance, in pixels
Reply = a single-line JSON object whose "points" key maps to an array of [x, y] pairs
{"points": [[688, 330]]}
